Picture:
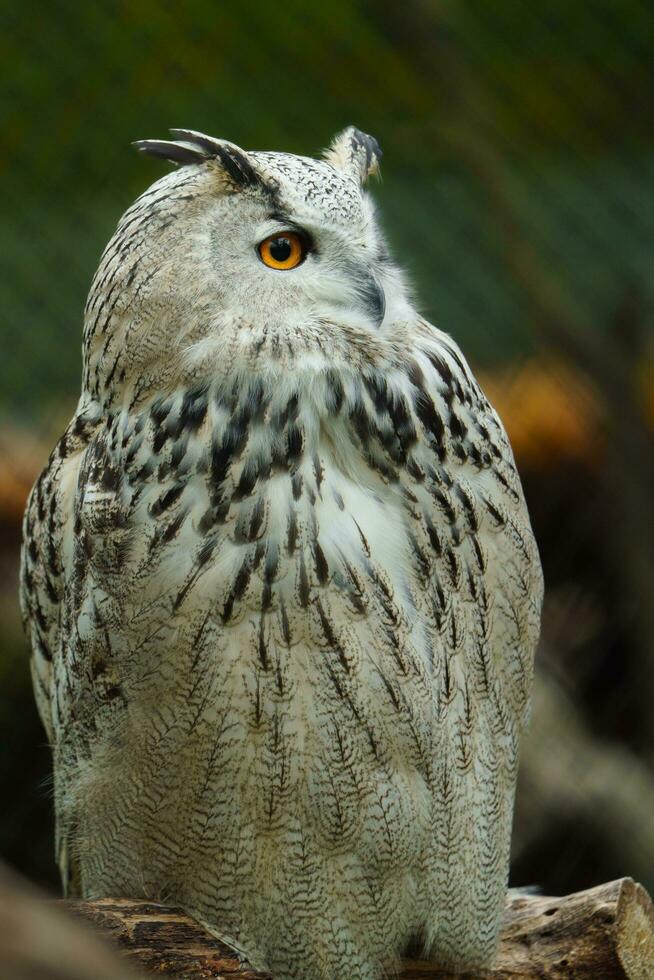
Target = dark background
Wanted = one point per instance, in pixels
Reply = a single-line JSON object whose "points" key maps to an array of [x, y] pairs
{"points": [[518, 147]]}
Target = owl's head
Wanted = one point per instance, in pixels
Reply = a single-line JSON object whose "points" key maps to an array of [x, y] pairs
{"points": [[238, 254]]}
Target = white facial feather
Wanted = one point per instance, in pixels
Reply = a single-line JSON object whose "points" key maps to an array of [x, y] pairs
{"points": [[195, 279]]}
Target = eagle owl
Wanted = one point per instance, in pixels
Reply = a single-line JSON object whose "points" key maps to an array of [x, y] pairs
{"points": [[280, 582]]}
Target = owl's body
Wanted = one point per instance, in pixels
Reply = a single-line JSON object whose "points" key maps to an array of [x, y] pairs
{"points": [[281, 586]]}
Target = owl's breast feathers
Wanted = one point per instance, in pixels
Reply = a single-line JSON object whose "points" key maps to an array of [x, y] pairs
{"points": [[291, 583], [382, 505]]}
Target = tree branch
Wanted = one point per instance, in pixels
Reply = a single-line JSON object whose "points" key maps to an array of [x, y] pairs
{"points": [[605, 932]]}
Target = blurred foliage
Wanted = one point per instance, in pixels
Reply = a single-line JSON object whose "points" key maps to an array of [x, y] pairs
{"points": [[517, 176], [563, 90]]}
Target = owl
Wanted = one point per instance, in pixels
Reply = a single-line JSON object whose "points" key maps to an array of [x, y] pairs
{"points": [[280, 582]]}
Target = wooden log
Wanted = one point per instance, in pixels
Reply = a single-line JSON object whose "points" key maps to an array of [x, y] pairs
{"points": [[39, 941], [604, 933]]}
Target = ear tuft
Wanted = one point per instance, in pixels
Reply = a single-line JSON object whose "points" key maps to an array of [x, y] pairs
{"points": [[192, 147], [179, 153], [356, 152]]}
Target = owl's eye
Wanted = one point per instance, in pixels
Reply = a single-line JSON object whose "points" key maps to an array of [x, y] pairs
{"points": [[284, 250]]}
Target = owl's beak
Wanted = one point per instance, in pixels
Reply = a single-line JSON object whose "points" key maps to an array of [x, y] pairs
{"points": [[372, 296]]}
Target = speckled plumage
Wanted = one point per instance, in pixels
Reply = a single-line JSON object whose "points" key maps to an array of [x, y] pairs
{"points": [[280, 583]]}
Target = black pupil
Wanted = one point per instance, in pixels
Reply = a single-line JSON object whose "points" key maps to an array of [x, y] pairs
{"points": [[280, 249]]}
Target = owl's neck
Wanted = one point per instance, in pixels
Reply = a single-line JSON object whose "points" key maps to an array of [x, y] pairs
{"points": [[237, 354]]}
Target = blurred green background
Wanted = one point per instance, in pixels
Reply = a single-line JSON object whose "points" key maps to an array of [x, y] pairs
{"points": [[518, 167]]}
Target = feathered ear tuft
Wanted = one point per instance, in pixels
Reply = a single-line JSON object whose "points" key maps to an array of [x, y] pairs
{"points": [[354, 151], [191, 147], [179, 153]]}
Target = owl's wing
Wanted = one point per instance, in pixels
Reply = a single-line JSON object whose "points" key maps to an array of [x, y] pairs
{"points": [[47, 538], [474, 578], [41, 584], [475, 570]]}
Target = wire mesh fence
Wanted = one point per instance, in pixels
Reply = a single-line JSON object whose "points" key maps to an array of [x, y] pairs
{"points": [[517, 190]]}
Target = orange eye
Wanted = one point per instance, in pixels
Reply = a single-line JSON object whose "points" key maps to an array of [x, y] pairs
{"points": [[284, 250]]}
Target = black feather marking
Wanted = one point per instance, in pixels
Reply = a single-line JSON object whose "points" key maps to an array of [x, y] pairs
{"points": [[359, 142], [193, 410], [272, 563], [232, 159], [113, 691], [286, 629], [377, 389], [454, 567], [110, 477], [479, 554], [415, 373], [247, 481], [173, 527], [240, 585], [472, 584], [389, 688], [179, 452], [363, 425], [303, 585], [296, 485], [159, 411], [331, 638], [364, 540], [444, 501], [205, 552], [431, 420], [434, 539], [322, 567], [402, 422], [457, 427], [294, 443], [335, 393], [208, 144], [256, 520], [495, 512], [469, 507], [167, 499], [257, 400], [464, 372], [80, 428], [196, 148], [159, 440], [442, 367], [318, 473], [499, 476], [239, 168], [482, 660], [207, 521], [223, 453], [292, 529], [40, 504], [171, 151], [415, 471], [288, 414], [446, 678], [475, 455], [39, 616], [421, 562], [263, 650]]}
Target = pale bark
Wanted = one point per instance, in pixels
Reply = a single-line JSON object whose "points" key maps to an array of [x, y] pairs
{"points": [[605, 932]]}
